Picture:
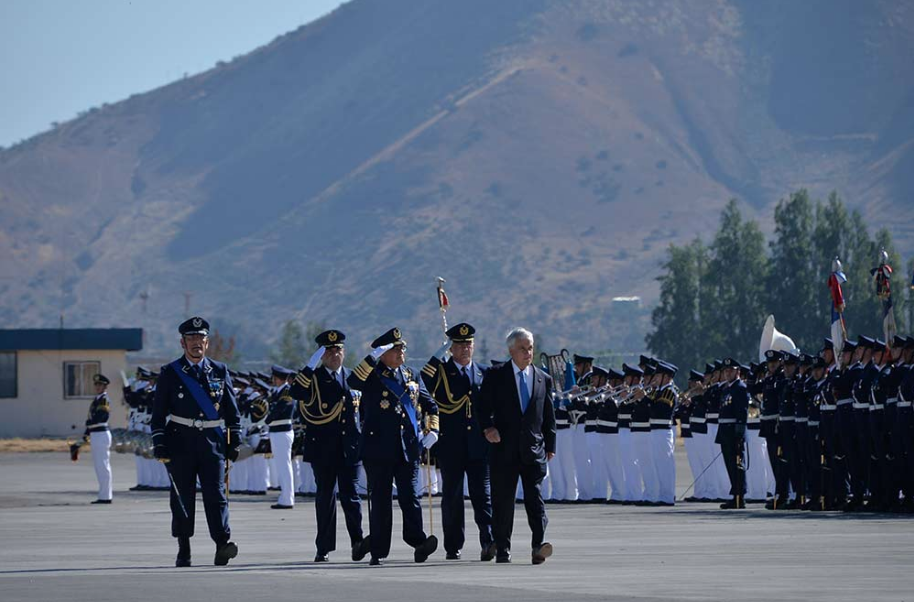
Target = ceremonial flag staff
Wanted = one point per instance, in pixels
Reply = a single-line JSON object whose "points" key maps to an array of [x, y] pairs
{"points": [[882, 276], [838, 328]]}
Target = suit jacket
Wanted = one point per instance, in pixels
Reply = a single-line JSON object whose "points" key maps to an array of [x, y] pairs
{"points": [[525, 438], [327, 408]]}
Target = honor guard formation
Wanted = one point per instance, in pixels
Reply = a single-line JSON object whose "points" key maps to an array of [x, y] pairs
{"points": [[833, 431]]}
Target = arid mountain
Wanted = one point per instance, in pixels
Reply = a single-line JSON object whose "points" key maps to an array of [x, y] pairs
{"points": [[538, 154]]}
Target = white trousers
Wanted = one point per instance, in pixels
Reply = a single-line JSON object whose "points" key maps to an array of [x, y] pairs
{"points": [[281, 444], [597, 465], [706, 485], [693, 453], [258, 478], [645, 457], [612, 465], [583, 470], [718, 471], [564, 485], [308, 482], [631, 473], [758, 475], [101, 457], [662, 446]]}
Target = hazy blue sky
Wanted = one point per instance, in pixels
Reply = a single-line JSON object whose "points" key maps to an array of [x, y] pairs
{"points": [[59, 57]]}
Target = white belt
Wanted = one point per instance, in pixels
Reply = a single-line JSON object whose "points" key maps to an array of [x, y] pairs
{"points": [[861, 406], [713, 416], [844, 402], [641, 424], [280, 422], [891, 400], [802, 420], [825, 407], [727, 421], [195, 423], [753, 421], [877, 406], [697, 420], [561, 421], [769, 417], [92, 426], [625, 416], [660, 422], [904, 404], [607, 423], [813, 423], [787, 418]]}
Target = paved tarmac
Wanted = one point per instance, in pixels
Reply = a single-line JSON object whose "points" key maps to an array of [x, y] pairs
{"points": [[57, 547]]}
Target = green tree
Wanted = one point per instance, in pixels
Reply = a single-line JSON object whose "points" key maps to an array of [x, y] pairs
{"points": [[677, 320], [792, 284], [733, 300], [292, 346]]}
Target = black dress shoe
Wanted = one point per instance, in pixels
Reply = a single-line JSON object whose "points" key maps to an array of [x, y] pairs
{"points": [[374, 561], [488, 553], [281, 507], [542, 552], [503, 558], [322, 558], [360, 550], [183, 559], [452, 556], [425, 549], [733, 505], [224, 553], [101, 502]]}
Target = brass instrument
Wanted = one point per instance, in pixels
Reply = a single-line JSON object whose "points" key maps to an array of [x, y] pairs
{"points": [[556, 365]]}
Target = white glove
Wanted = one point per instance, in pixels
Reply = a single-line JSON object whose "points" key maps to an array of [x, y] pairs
{"points": [[312, 363], [440, 354], [376, 353], [429, 439]]}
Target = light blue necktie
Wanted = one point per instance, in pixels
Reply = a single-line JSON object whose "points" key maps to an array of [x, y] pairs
{"points": [[524, 393]]}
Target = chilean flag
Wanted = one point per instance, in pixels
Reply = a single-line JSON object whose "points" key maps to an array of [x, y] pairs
{"points": [[838, 330]]}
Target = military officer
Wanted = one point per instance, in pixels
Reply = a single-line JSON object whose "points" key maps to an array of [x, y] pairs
{"points": [[330, 412], [100, 437], [392, 439], [461, 449], [279, 423], [583, 368], [195, 428], [608, 432], [664, 400], [633, 492], [731, 435]]}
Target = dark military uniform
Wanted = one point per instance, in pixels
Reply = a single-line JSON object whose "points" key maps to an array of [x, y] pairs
{"points": [[462, 448], [731, 434], [193, 413], [391, 446], [328, 408], [772, 390]]}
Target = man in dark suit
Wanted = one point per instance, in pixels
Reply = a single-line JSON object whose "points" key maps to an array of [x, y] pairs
{"points": [[328, 407], [195, 428], [518, 419]]}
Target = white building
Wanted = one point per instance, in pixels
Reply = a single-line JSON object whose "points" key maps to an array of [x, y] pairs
{"points": [[46, 377]]}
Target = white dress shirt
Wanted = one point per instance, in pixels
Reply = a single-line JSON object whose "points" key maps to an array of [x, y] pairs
{"points": [[468, 370], [528, 376], [336, 374]]}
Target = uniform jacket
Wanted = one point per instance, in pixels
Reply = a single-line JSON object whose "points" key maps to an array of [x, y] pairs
{"points": [[460, 438], [331, 418], [99, 410], [388, 435]]}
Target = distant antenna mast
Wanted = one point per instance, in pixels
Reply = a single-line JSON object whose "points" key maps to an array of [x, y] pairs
{"points": [[144, 297]]}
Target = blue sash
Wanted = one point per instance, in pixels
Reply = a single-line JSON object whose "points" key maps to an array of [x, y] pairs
{"points": [[399, 390], [197, 392]]}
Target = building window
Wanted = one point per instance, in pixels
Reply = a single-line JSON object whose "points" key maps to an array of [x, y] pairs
{"points": [[77, 378], [8, 383]]}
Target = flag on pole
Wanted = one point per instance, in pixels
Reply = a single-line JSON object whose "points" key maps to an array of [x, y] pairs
{"points": [[882, 276], [838, 329]]}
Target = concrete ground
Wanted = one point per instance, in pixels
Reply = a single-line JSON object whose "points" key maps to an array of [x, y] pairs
{"points": [[58, 547]]}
